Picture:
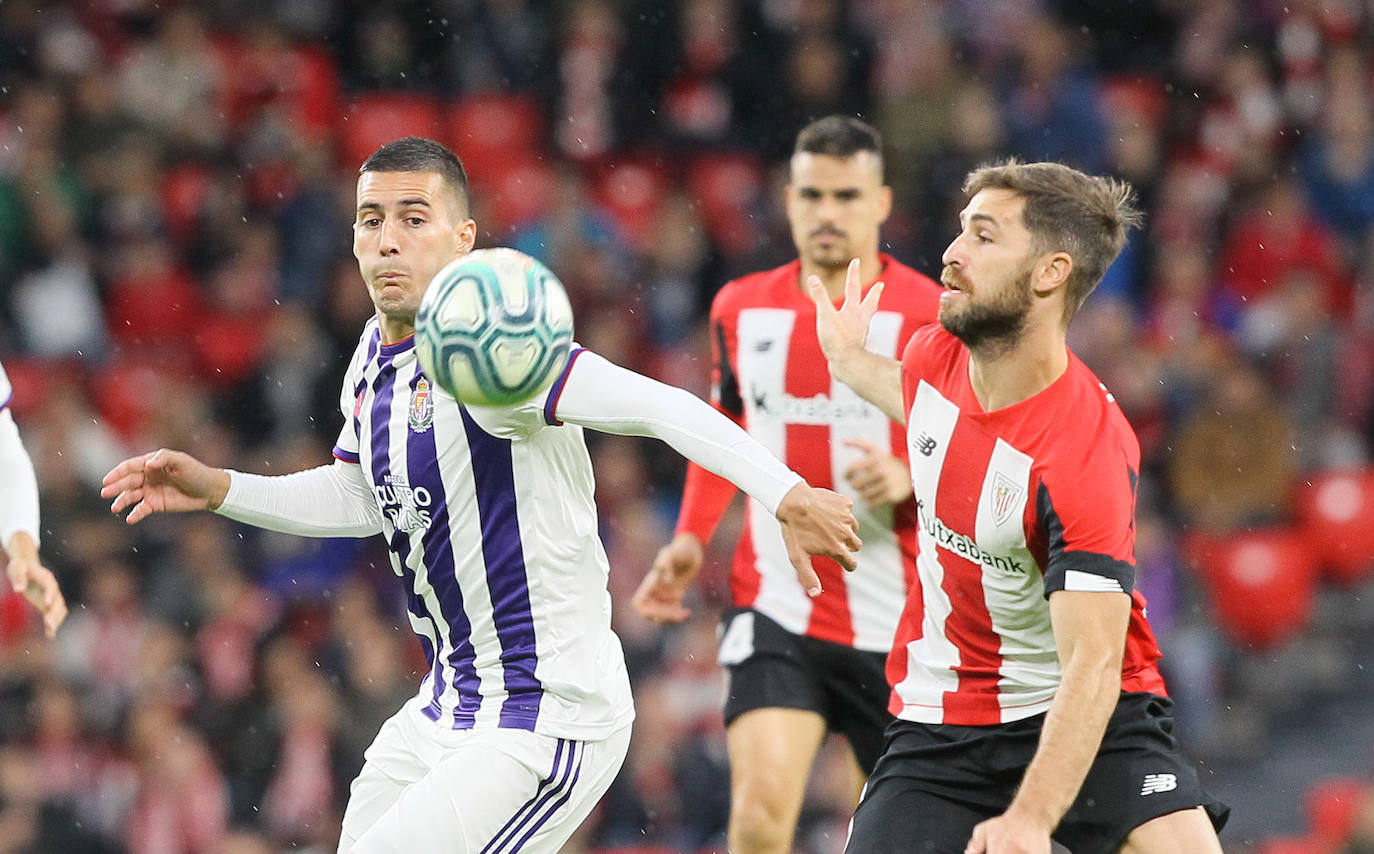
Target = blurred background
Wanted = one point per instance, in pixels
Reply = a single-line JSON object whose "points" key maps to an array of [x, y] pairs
{"points": [[176, 193]]}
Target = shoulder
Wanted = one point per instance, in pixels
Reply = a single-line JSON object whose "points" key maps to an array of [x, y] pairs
{"points": [[755, 289], [1093, 442]]}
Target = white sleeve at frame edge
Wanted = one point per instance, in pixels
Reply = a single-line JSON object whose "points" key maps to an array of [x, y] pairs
{"points": [[327, 501], [18, 484]]}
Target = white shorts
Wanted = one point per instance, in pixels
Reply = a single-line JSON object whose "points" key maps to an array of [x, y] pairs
{"points": [[493, 791]]}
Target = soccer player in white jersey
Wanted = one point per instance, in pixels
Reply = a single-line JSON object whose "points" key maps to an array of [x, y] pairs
{"points": [[19, 520], [524, 716], [1024, 675]]}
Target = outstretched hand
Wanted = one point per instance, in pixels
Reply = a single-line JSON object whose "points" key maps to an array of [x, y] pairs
{"points": [[817, 522], [164, 481], [845, 329], [660, 594]]}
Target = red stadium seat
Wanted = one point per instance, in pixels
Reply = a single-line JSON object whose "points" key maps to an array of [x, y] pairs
{"points": [[488, 129], [523, 191], [1260, 582], [632, 190], [370, 121], [1295, 845], [1332, 805], [1335, 510], [728, 187]]}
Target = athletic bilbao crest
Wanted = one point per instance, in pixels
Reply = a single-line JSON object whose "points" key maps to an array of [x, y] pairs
{"points": [[1006, 497], [421, 407]]}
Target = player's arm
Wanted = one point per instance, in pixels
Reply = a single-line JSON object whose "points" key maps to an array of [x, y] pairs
{"points": [[843, 334], [705, 498], [327, 501], [19, 529], [611, 399], [1090, 631]]}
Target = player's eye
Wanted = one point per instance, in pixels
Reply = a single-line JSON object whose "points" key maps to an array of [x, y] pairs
{"points": [[415, 220]]}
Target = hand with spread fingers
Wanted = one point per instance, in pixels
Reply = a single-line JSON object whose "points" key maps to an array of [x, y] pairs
{"points": [[164, 481]]}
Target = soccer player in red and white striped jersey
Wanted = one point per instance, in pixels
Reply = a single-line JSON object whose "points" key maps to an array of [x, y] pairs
{"points": [[1024, 672], [801, 665]]}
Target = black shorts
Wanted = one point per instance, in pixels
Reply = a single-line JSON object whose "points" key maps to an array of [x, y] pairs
{"points": [[935, 782], [771, 668]]}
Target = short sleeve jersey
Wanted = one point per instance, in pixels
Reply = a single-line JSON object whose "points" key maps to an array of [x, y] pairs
{"points": [[771, 376], [1012, 505], [489, 517]]}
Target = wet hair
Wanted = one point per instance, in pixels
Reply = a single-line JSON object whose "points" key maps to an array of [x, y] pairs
{"points": [[840, 136], [1085, 216], [417, 154]]}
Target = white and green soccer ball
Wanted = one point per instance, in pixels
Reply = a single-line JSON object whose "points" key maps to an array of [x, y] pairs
{"points": [[494, 328]]}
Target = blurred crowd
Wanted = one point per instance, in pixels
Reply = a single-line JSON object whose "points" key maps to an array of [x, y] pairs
{"points": [[176, 186]]}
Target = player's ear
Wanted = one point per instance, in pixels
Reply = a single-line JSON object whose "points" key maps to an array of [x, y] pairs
{"points": [[467, 234], [884, 203], [1051, 273]]}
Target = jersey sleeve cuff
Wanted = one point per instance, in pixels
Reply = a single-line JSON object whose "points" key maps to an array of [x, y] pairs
{"points": [[346, 456], [556, 391], [1089, 572]]}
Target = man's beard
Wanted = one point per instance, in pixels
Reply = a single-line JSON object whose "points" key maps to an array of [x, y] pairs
{"points": [[991, 328]]}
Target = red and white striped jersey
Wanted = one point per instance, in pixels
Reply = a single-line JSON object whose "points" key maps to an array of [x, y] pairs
{"points": [[1012, 505], [770, 375]]}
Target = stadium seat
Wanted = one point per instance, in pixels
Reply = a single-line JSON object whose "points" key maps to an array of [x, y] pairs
{"points": [[632, 190], [522, 192], [370, 121], [1260, 582], [1335, 511], [1295, 845], [1331, 806], [488, 129], [728, 187]]}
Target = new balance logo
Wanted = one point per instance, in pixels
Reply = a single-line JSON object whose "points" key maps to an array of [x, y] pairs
{"points": [[1156, 783], [925, 444]]}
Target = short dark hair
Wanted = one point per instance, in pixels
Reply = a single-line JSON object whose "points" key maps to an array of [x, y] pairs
{"points": [[417, 154], [1086, 216], [839, 136]]}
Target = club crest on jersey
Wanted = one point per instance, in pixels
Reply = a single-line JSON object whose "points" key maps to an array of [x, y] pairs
{"points": [[1006, 495], [421, 407]]}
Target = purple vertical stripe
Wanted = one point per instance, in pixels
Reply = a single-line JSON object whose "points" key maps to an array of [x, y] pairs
{"points": [[493, 474], [422, 472], [384, 390]]}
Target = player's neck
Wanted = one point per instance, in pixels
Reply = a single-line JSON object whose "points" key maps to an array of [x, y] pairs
{"points": [[870, 268], [395, 330], [1005, 376]]}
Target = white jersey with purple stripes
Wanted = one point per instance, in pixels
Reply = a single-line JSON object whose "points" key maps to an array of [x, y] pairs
{"points": [[490, 521]]}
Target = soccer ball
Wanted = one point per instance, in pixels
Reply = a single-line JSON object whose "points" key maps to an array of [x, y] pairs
{"points": [[494, 328]]}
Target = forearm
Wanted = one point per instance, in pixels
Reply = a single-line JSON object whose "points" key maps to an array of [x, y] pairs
{"points": [[328, 501], [18, 486], [1072, 734], [611, 399], [877, 379]]}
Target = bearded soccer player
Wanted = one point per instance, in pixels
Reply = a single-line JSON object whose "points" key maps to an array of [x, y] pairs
{"points": [[1024, 675], [524, 717], [800, 667]]}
